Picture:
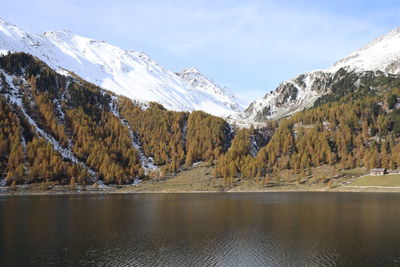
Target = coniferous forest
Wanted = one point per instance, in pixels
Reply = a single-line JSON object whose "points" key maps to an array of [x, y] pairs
{"points": [[59, 129]]}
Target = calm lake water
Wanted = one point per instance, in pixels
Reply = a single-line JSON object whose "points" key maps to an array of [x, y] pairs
{"points": [[221, 229]]}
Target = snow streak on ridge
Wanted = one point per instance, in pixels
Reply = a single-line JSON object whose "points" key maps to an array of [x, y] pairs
{"points": [[147, 163], [15, 99]]}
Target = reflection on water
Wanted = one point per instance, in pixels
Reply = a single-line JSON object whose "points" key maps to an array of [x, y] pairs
{"points": [[301, 229]]}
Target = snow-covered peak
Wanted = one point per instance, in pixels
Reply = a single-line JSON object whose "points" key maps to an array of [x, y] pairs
{"points": [[198, 80], [132, 74], [12, 38], [192, 70], [382, 54]]}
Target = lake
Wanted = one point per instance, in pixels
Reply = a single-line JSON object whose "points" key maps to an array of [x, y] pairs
{"points": [[210, 229]]}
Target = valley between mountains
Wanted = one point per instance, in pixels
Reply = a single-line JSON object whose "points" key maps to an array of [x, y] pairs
{"points": [[80, 114]]}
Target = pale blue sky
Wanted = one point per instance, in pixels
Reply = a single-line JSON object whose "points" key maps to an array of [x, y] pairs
{"points": [[249, 46]]}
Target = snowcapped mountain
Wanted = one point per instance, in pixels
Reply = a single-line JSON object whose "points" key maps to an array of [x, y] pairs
{"points": [[198, 80], [382, 54], [128, 73], [300, 92]]}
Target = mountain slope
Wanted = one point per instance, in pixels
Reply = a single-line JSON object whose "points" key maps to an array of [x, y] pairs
{"points": [[300, 92], [128, 73], [382, 54], [61, 129]]}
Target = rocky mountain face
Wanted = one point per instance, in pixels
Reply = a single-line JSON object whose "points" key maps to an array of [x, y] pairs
{"points": [[131, 74], [300, 92]]}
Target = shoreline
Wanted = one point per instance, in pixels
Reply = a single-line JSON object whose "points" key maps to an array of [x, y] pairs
{"points": [[283, 189]]}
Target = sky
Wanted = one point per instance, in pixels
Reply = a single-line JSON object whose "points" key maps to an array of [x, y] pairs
{"points": [[249, 46]]}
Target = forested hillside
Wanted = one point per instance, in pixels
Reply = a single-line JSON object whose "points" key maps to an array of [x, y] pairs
{"points": [[356, 125], [61, 128], [64, 130]]}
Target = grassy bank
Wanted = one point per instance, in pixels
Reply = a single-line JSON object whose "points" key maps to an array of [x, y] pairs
{"points": [[201, 179], [389, 180]]}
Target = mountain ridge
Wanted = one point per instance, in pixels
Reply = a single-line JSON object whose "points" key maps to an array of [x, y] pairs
{"points": [[128, 73], [198, 80], [301, 91]]}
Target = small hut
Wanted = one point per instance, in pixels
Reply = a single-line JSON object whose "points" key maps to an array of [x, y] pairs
{"points": [[378, 171]]}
